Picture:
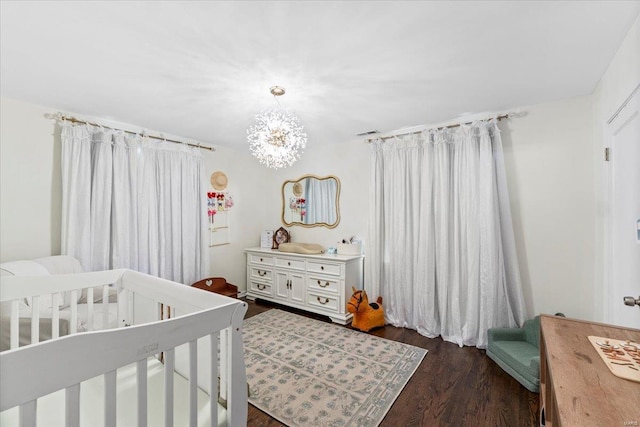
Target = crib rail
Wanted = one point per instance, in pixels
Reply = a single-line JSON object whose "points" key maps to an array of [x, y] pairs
{"points": [[65, 362], [59, 288], [182, 299], [16, 287]]}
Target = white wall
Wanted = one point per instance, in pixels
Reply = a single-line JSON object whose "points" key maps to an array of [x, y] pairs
{"points": [[30, 182], [350, 163], [250, 188], [622, 75], [550, 174]]}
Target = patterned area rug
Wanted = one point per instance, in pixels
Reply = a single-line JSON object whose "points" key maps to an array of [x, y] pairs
{"points": [[305, 372]]}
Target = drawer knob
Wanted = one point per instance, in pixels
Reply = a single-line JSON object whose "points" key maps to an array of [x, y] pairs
{"points": [[326, 300], [322, 267], [262, 273], [261, 287], [260, 259], [288, 263], [323, 286]]}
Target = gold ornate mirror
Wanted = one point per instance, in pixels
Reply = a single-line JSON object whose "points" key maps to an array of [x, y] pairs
{"points": [[311, 201]]}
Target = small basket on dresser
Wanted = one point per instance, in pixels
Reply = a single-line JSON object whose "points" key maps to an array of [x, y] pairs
{"points": [[349, 248]]}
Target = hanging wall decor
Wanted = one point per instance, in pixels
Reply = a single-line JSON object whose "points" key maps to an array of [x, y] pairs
{"points": [[219, 203]]}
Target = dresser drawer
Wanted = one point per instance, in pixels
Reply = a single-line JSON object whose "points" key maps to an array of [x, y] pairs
{"points": [[296, 264], [323, 267], [323, 283], [258, 288], [261, 259], [261, 273], [325, 302]]}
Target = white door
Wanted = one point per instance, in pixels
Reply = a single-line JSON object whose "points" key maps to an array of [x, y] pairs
{"points": [[624, 217]]}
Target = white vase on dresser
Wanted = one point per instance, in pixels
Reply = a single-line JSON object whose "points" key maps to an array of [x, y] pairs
{"points": [[316, 283]]}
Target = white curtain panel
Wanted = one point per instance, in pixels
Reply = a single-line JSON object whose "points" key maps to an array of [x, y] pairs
{"points": [[128, 202], [441, 246]]}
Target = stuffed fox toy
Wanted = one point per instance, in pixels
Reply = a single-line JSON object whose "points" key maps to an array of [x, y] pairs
{"points": [[366, 316]]}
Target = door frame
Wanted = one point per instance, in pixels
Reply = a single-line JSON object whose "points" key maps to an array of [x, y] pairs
{"points": [[609, 129]]}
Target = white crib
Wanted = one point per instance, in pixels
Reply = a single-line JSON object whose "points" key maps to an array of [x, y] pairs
{"points": [[187, 369]]}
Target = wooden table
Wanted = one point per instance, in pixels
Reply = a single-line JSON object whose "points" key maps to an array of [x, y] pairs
{"points": [[576, 387]]}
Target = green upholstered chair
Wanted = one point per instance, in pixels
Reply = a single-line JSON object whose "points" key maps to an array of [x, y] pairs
{"points": [[517, 351]]}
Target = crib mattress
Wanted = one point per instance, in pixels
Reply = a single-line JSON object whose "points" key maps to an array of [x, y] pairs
{"points": [[51, 408]]}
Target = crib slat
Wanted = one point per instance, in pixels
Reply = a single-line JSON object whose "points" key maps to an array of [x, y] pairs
{"points": [[120, 321], [237, 396], [165, 311], [213, 384], [169, 367], [141, 370], [35, 319], [28, 414], [15, 323], [89, 309], [224, 357], [124, 316], [73, 327], [110, 399], [105, 307], [72, 406], [55, 318], [193, 383]]}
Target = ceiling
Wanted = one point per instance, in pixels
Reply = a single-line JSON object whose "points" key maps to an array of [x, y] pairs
{"points": [[202, 70]]}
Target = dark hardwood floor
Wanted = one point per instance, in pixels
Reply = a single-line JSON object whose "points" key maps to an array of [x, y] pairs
{"points": [[452, 386]]}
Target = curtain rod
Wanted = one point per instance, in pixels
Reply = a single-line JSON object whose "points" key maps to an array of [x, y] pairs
{"points": [[74, 120], [369, 140]]}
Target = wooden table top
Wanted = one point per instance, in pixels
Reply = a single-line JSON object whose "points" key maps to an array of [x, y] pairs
{"points": [[587, 393]]}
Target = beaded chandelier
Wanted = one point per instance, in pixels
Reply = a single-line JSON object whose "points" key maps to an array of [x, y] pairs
{"points": [[276, 139]]}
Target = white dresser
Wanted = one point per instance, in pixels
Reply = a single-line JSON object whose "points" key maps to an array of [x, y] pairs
{"points": [[317, 283]]}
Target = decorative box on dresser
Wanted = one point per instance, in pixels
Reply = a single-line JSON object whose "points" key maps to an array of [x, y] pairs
{"points": [[576, 387], [316, 283]]}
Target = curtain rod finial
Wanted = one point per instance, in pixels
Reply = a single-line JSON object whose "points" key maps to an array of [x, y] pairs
{"points": [[55, 116]]}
